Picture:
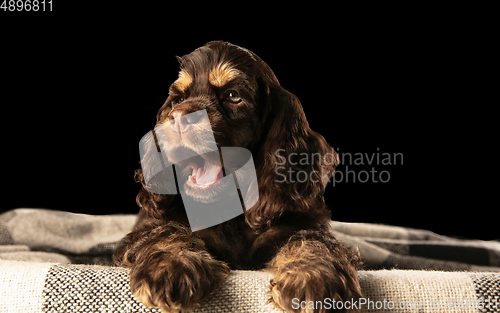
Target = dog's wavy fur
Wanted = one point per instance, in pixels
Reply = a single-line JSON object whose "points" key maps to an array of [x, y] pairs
{"points": [[285, 232]]}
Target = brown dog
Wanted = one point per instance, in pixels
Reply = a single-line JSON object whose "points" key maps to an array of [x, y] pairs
{"points": [[284, 232]]}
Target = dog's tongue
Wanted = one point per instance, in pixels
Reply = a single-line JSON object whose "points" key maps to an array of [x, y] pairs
{"points": [[207, 174]]}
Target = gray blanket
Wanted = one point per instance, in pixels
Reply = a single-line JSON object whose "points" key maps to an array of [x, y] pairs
{"points": [[38, 245], [63, 237]]}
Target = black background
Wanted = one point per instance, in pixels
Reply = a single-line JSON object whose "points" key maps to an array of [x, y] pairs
{"points": [[79, 88]]}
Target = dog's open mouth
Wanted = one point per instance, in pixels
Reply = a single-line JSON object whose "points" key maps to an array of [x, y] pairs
{"points": [[206, 169], [204, 174]]}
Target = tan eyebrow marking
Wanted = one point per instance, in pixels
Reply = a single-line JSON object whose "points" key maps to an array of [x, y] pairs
{"points": [[222, 74], [184, 81]]}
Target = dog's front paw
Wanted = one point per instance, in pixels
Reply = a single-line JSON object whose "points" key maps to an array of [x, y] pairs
{"points": [[315, 288], [177, 283]]}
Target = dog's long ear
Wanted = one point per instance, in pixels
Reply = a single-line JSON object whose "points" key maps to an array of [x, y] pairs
{"points": [[294, 163]]}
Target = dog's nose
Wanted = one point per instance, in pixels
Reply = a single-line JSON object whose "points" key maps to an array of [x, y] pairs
{"points": [[178, 121]]}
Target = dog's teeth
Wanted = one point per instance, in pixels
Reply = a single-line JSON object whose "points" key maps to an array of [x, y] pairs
{"points": [[195, 168], [192, 178]]}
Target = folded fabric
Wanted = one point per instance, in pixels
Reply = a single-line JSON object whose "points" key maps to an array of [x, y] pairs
{"points": [[50, 287], [64, 237], [55, 236], [383, 246]]}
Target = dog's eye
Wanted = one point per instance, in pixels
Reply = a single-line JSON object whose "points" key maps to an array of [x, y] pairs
{"points": [[178, 100], [233, 96]]}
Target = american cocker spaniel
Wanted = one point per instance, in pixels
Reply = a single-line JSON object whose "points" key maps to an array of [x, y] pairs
{"points": [[284, 231]]}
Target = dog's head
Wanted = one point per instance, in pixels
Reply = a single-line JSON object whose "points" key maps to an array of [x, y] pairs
{"points": [[213, 103], [229, 90]]}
